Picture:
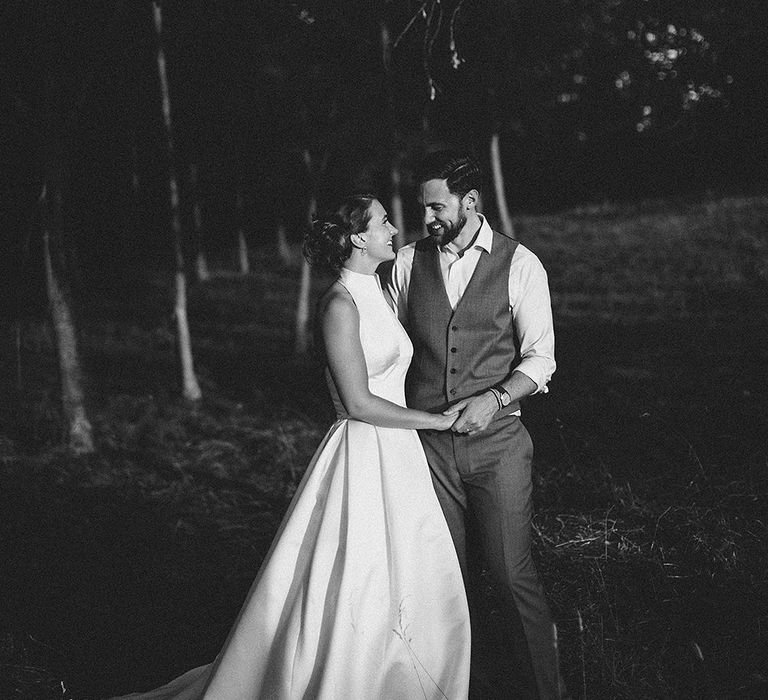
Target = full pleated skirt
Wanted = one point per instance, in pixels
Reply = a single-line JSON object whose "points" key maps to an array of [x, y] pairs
{"points": [[360, 596]]}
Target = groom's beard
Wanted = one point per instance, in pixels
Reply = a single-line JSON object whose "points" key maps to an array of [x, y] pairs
{"points": [[448, 232]]}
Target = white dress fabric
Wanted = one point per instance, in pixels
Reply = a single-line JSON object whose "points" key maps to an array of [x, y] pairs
{"points": [[360, 596]]}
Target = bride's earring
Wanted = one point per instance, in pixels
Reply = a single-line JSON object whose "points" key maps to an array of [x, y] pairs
{"points": [[359, 244]]}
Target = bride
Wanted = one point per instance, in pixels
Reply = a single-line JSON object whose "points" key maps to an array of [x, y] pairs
{"points": [[360, 596]]}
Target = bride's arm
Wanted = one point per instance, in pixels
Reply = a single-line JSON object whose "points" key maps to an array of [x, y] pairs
{"points": [[346, 361]]}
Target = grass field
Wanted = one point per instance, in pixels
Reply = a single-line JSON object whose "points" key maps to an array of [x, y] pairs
{"points": [[125, 568]]}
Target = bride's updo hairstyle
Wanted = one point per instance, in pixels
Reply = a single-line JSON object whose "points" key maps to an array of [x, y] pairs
{"points": [[327, 244]]}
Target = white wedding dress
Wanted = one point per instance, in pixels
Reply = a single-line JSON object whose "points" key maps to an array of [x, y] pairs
{"points": [[360, 596]]}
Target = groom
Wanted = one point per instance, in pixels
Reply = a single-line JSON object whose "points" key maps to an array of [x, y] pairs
{"points": [[476, 306]]}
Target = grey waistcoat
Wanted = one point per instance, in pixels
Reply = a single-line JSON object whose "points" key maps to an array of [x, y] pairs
{"points": [[463, 352]]}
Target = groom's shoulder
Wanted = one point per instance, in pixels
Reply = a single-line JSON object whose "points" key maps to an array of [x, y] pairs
{"points": [[526, 261], [406, 253], [504, 239], [525, 253], [503, 235]]}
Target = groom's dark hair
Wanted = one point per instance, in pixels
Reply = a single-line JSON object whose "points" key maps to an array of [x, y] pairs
{"points": [[459, 169]]}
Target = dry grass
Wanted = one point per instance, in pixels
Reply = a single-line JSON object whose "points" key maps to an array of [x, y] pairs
{"points": [[651, 481]]}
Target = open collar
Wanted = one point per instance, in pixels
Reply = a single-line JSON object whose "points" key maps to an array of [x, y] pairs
{"points": [[484, 238]]}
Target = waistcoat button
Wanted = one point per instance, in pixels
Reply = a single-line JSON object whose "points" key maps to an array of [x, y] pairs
{"points": [[454, 350]]}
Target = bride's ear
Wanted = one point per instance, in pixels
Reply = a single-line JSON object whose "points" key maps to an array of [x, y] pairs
{"points": [[357, 240]]}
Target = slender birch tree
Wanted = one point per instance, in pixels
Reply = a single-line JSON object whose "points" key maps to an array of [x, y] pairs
{"points": [[242, 243], [78, 427], [283, 247], [201, 260], [190, 386], [52, 121], [497, 172], [395, 159], [52, 116], [302, 334]]}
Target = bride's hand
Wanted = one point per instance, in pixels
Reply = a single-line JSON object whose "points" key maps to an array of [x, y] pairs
{"points": [[444, 420]]}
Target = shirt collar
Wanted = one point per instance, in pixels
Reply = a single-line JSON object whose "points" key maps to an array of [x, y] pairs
{"points": [[484, 238]]}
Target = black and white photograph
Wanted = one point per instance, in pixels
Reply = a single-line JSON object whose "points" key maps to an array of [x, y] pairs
{"points": [[383, 350]]}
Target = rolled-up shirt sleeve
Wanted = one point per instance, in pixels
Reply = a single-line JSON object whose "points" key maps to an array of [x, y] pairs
{"points": [[531, 310]]}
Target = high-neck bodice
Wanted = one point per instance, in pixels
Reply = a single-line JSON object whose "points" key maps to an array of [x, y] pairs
{"points": [[386, 346]]}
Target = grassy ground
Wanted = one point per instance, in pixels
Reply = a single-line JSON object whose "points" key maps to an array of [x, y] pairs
{"points": [[125, 568]]}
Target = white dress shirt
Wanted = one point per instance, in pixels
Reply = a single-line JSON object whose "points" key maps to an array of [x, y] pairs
{"points": [[529, 301]]}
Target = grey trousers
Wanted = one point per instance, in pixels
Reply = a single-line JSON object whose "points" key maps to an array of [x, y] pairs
{"points": [[488, 475]]}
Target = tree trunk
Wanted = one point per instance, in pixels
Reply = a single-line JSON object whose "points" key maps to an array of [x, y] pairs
{"points": [[505, 220], [190, 387], [201, 267], [283, 247], [242, 253], [302, 309], [242, 243], [79, 428], [396, 200], [201, 261], [396, 205]]}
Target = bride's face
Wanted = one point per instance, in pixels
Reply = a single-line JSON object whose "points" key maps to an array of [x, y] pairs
{"points": [[378, 236]]}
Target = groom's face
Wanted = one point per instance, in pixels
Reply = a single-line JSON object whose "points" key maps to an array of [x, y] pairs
{"points": [[443, 213]]}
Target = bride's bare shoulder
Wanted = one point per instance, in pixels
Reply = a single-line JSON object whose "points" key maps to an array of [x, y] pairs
{"points": [[337, 303]]}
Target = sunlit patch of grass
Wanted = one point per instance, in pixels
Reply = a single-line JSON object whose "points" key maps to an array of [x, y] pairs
{"points": [[654, 260]]}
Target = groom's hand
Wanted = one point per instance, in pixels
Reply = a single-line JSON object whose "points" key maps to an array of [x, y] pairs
{"points": [[476, 413]]}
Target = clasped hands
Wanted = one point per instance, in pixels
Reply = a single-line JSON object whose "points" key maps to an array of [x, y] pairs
{"points": [[473, 414]]}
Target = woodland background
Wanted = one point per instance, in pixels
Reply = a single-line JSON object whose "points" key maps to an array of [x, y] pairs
{"points": [[159, 395]]}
